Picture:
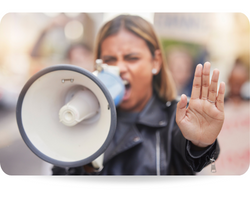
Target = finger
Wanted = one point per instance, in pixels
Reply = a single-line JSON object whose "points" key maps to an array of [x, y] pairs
{"points": [[212, 90], [205, 80], [196, 90], [181, 108], [220, 98]]}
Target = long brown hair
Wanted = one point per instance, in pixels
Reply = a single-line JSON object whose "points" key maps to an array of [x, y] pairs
{"points": [[162, 82]]}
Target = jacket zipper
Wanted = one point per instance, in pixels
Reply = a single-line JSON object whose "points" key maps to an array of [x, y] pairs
{"points": [[213, 168], [158, 140]]}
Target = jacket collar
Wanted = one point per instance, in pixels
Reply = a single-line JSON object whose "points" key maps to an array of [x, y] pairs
{"points": [[154, 114]]}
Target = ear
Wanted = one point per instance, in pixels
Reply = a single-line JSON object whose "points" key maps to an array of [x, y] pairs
{"points": [[157, 61]]}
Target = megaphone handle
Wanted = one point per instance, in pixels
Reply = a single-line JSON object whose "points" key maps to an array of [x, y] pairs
{"points": [[98, 163]]}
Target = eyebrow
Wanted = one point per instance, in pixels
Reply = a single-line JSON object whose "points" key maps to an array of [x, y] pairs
{"points": [[108, 57], [131, 54], [126, 56]]}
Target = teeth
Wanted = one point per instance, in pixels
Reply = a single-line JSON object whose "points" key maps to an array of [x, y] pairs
{"points": [[125, 82]]}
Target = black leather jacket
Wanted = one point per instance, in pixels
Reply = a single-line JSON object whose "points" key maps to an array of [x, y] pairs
{"points": [[150, 143]]}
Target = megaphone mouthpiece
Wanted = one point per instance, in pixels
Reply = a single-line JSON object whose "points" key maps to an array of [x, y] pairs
{"points": [[83, 105]]}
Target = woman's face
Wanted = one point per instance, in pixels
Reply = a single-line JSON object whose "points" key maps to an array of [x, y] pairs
{"points": [[131, 54]]}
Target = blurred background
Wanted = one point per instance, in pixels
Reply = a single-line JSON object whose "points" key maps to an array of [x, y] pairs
{"points": [[30, 42]]}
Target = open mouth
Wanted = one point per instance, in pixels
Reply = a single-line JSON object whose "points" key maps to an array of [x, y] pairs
{"points": [[125, 82], [127, 89]]}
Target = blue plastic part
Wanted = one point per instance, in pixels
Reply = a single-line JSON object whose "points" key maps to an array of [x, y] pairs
{"points": [[114, 84]]}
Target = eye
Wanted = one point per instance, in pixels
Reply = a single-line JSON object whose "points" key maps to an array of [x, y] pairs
{"points": [[132, 58], [109, 60]]}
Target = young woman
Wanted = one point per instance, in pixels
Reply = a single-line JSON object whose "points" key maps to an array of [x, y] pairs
{"points": [[155, 134]]}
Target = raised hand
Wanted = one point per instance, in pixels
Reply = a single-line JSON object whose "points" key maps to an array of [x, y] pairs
{"points": [[202, 120]]}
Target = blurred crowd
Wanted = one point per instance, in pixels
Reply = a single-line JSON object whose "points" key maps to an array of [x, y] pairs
{"points": [[31, 42]]}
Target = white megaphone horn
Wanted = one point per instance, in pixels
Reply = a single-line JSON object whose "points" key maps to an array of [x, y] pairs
{"points": [[67, 115]]}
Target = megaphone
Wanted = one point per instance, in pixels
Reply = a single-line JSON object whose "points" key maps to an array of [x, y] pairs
{"points": [[67, 115]]}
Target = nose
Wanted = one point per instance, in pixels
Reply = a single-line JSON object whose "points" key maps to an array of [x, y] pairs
{"points": [[122, 67]]}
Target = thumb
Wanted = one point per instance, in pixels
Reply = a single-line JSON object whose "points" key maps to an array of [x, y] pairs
{"points": [[181, 108]]}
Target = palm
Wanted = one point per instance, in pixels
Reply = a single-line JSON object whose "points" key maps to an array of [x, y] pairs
{"points": [[201, 122]]}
